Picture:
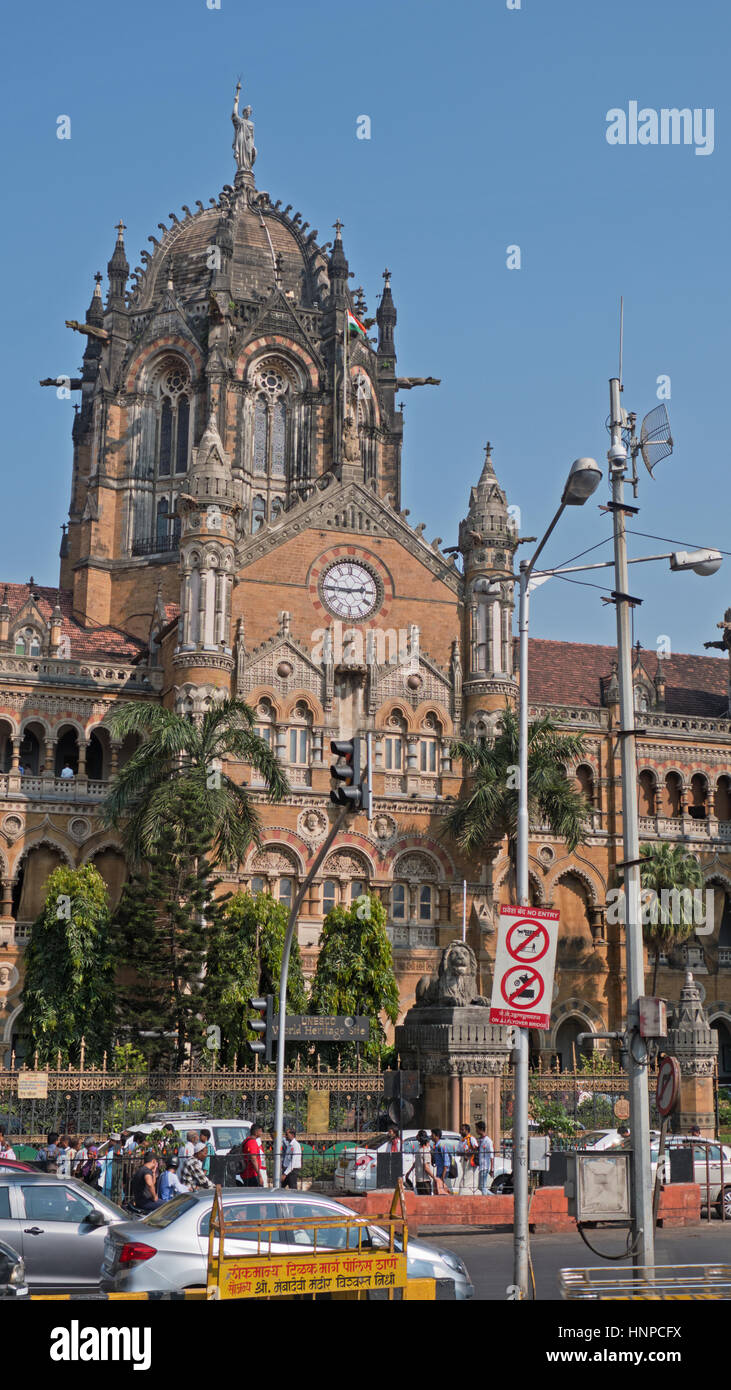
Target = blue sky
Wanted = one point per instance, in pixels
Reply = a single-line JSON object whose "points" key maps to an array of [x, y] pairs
{"points": [[488, 130]]}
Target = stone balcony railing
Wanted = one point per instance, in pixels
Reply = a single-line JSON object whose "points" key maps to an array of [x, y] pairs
{"points": [[412, 934], [57, 670], [684, 828], [14, 787]]}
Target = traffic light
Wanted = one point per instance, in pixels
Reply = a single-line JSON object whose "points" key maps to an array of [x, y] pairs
{"points": [[264, 1024], [346, 772]]}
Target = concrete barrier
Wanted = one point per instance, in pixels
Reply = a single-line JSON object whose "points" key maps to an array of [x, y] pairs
{"points": [[549, 1212]]}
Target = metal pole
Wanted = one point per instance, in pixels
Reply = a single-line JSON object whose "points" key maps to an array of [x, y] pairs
{"points": [[283, 976], [464, 909], [641, 1203], [521, 1239]]}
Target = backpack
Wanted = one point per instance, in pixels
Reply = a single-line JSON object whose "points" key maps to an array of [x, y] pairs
{"points": [[453, 1173]]}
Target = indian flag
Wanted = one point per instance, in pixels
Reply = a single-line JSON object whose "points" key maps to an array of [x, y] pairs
{"points": [[355, 326]]}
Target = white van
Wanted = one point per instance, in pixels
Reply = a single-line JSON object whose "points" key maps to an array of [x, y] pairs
{"points": [[225, 1134]]}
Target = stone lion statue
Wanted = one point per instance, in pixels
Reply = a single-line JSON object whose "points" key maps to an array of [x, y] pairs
{"points": [[455, 983]]}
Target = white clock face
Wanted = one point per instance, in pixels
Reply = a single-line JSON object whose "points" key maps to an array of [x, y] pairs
{"points": [[349, 590]]}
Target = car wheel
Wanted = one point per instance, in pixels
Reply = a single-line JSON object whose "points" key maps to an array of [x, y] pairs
{"points": [[726, 1199], [502, 1184]]}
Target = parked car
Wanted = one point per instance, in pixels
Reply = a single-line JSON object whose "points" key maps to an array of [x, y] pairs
{"points": [[711, 1167], [14, 1165], [225, 1134], [12, 1273], [168, 1249], [57, 1226], [357, 1167]]}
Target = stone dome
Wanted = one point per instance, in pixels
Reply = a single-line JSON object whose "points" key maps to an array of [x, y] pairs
{"points": [[263, 242]]}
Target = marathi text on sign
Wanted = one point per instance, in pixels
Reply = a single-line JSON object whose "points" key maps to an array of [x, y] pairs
{"points": [[261, 1277]]}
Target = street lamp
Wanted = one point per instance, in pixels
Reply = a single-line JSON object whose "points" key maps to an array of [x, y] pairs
{"points": [[584, 478], [582, 482]]}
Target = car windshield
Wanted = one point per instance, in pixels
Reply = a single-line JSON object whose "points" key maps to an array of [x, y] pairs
{"points": [[225, 1136], [592, 1136], [169, 1212]]}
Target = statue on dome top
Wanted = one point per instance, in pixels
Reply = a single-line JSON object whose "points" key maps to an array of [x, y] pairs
{"points": [[243, 143]]}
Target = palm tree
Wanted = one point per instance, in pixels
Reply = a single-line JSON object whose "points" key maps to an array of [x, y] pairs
{"points": [[488, 811], [178, 751], [667, 867]]}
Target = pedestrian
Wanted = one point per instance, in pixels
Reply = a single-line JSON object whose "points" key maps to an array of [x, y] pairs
{"points": [[208, 1151], [143, 1187], [264, 1176], [623, 1133], [89, 1170], [422, 1168], [190, 1166], [695, 1132], [63, 1157], [485, 1158], [251, 1167], [128, 1141], [443, 1160], [292, 1163], [393, 1140], [468, 1151], [6, 1149], [169, 1184], [47, 1157]]}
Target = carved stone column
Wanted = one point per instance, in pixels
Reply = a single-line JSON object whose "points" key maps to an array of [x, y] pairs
{"points": [[6, 900], [114, 749], [695, 1044]]}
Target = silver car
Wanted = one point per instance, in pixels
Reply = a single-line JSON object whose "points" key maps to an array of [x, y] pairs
{"points": [[168, 1249], [57, 1226]]}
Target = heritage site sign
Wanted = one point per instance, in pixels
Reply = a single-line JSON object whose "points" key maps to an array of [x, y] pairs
{"points": [[525, 960], [328, 1028]]}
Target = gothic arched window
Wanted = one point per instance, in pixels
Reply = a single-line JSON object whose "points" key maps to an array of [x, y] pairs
{"points": [[174, 426], [163, 512], [258, 513], [271, 408], [27, 643]]}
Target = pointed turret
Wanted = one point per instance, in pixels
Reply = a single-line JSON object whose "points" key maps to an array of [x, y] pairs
{"points": [[386, 319], [118, 271], [338, 266], [487, 540]]}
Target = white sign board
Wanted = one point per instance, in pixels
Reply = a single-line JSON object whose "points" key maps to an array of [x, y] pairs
{"points": [[525, 960]]}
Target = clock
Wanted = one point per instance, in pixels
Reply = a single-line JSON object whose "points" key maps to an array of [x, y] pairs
{"points": [[350, 590]]}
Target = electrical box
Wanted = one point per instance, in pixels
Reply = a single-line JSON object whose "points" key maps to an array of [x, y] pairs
{"points": [[598, 1185], [539, 1153], [653, 1017]]}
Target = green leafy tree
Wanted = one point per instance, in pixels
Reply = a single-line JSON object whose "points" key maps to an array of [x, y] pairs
{"points": [[244, 959], [159, 934], [487, 812], [667, 867], [552, 1118], [180, 752], [354, 972], [69, 969]]}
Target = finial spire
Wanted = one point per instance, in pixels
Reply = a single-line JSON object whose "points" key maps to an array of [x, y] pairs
{"points": [[338, 225]]}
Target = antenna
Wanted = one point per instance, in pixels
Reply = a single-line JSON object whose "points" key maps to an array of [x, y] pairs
{"points": [[656, 441], [621, 336]]}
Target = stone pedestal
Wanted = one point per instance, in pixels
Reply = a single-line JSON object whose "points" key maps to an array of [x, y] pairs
{"points": [[460, 1058], [459, 1055], [695, 1044]]}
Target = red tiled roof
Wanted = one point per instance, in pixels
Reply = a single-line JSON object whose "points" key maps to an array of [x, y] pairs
{"points": [[85, 642], [574, 673]]}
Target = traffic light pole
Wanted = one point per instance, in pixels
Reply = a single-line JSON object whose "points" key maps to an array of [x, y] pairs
{"points": [[283, 977]]}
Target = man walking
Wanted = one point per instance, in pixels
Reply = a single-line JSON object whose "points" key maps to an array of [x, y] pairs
{"points": [[467, 1150], [191, 1169], [485, 1158], [292, 1160], [251, 1174]]}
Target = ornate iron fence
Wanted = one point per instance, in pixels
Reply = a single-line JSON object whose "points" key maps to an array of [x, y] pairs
{"points": [[94, 1100], [587, 1098]]}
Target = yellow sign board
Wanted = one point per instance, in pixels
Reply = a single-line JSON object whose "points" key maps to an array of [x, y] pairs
{"points": [[262, 1276], [318, 1112], [33, 1085]]}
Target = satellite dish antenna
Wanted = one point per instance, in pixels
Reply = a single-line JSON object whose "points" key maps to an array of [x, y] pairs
{"points": [[656, 441]]}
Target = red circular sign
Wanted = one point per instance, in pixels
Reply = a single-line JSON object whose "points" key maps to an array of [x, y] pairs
{"points": [[527, 940], [668, 1085], [519, 982]]}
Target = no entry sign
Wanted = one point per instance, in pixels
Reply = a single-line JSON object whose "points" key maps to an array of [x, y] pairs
{"points": [[525, 959]]}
